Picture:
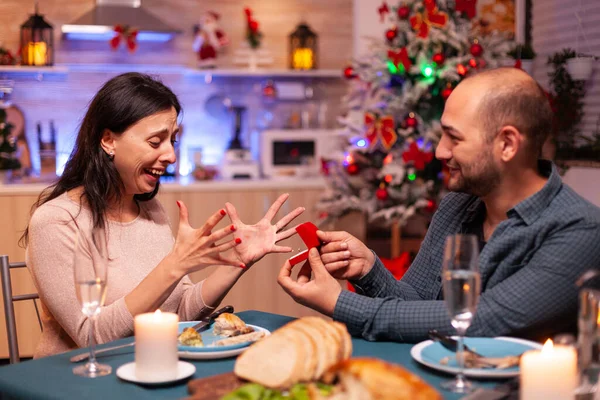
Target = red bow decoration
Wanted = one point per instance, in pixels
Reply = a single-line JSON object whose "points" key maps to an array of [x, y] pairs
{"points": [[469, 7], [400, 56], [382, 10], [127, 34], [380, 129], [418, 157], [432, 16]]}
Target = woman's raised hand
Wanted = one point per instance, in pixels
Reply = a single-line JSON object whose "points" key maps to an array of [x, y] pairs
{"points": [[261, 238], [195, 249]]}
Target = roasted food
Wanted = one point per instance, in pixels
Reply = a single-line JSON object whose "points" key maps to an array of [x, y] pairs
{"points": [[248, 337], [228, 324], [190, 337], [374, 379]]}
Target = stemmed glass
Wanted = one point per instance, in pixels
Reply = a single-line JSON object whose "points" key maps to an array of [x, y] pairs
{"points": [[461, 285], [90, 267]]}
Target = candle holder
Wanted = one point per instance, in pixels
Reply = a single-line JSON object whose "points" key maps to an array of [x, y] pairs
{"points": [[37, 41]]}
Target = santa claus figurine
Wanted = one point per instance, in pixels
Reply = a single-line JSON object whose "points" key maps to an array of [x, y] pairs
{"points": [[209, 39]]}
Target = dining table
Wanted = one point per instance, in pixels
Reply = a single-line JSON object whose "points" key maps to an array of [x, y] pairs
{"points": [[52, 377]]}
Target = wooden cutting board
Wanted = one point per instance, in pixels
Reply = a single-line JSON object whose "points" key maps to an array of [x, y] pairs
{"points": [[213, 387]]}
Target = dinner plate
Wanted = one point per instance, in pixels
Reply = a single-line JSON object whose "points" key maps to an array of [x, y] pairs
{"points": [[208, 337], [430, 353], [127, 373]]}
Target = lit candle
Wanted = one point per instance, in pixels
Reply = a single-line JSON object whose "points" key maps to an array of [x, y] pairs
{"points": [[549, 374], [156, 345], [303, 58], [37, 53]]}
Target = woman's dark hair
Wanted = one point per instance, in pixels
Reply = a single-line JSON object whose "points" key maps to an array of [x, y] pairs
{"points": [[121, 102]]}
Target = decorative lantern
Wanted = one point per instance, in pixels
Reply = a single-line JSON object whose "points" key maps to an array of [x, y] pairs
{"points": [[37, 41], [303, 48]]}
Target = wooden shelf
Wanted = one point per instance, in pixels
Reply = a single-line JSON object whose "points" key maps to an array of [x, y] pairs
{"points": [[265, 73], [25, 72], [19, 72]]}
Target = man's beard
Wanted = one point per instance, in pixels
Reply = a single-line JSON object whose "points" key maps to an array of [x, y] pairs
{"points": [[478, 180]]}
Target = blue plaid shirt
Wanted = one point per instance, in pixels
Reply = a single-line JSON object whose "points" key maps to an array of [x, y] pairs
{"points": [[528, 271]]}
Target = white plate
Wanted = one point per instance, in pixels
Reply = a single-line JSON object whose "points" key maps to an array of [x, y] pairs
{"points": [[429, 353], [208, 353], [127, 373]]}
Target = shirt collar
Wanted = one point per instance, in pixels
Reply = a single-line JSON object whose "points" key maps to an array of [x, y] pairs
{"points": [[531, 208]]}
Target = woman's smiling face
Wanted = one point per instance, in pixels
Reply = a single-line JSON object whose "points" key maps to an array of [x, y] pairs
{"points": [[143, 152]]}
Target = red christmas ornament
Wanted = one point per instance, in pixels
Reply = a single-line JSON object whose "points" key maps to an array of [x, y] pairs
{"points": [[431, 16], [400, 57], [126, 34], [391, 34], [382, 10], [439, 58], [253, 25], [349, 73], [382, 194], [473, 63], [446, 93], [431, 206], [518, 64], [269, 91], [352, 169], [403, 12], [469, 7], [411, 121], [476, 49], [461, 69], [324, 167], [418, 157], [380, 129]]}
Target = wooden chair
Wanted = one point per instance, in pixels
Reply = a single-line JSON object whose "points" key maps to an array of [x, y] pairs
{"points": [[9, 309]]}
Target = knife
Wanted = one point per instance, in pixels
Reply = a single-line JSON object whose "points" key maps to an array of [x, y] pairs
{"points": [[449, 343], [204, 324]]}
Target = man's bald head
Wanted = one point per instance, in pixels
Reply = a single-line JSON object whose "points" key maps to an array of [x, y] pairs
{"points": [[509, 96]]}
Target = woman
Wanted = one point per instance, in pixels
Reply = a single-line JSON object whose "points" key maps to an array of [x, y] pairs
{"points": [[125, 143]]}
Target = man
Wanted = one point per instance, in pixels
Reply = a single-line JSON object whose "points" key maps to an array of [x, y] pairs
{"points": [[536, 235]]}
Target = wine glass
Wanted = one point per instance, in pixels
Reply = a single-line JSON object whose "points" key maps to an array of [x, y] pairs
{"points": [[90, 267], [461, 285]]}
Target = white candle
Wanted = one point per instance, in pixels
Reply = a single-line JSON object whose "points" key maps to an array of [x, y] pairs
{"points": [[549, 374], [156, 346]]}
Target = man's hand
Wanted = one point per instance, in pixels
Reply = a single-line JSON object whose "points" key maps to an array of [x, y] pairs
{"points": [[320, 293], [344, 256]]}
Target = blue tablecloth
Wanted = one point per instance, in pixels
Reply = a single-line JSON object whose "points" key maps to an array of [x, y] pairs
{"points": [[52, 377]]}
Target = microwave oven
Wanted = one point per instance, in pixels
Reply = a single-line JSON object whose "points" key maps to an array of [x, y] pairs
{"points": [[295, 153]]}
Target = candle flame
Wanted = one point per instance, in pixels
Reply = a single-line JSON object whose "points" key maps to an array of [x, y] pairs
{"points": [[598, 319], [157, 314], [548, 347]]}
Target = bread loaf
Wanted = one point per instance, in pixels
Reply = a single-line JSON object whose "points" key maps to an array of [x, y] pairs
{"points": [[300, 351]]}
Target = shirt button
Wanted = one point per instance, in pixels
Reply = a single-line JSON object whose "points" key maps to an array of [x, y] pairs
{"points": [[439, 278]]}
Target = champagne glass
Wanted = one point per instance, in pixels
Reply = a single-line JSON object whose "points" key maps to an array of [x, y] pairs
{"points": [[461, 285], [90, 273]]}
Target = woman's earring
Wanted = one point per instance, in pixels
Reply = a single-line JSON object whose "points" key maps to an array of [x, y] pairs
{"points": [[111, 155]]}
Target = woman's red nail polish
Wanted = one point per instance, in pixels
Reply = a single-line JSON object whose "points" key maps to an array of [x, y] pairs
{"points": [[222, 212], [232, 228], [242, 266], [178, 203], [238, 240]]}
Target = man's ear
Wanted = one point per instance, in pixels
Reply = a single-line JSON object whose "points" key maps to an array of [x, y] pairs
{"points": [[511, 142], [108, 142]]}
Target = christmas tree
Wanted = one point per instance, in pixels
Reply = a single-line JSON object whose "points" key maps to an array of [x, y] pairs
{"points": [[386, 166]]}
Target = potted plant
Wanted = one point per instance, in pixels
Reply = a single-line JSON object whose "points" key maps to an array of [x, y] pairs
{"points": [[580, 66], [8, 149], [524, 54]]}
